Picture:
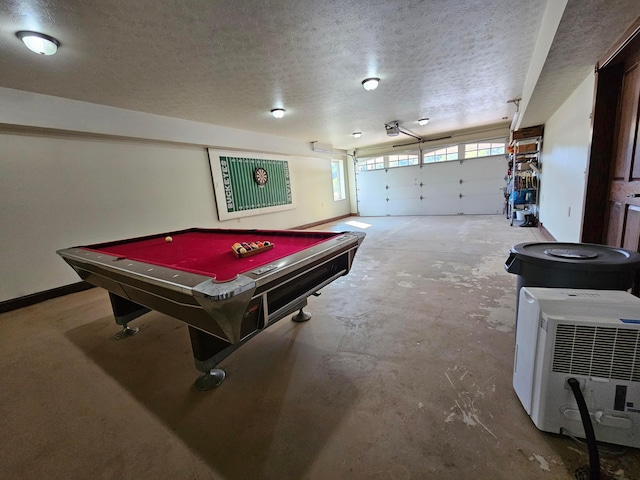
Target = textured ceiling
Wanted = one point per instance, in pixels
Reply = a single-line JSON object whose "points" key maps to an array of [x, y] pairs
{"points": [[230, 62], [585, 33]]}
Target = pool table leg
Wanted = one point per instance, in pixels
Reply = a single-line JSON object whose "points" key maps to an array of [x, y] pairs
{"points": [[304, 316], [124, 311], [301, 317], [126, 332], [210, 380], [208, 351]]}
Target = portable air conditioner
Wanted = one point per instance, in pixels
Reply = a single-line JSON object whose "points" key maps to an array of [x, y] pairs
{"points": [[592, 336]]}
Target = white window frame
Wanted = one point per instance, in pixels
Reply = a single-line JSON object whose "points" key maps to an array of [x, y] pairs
{"points": [[452, 152], [338, 180], [492, 147], [372, 163], [448, 151], [406, 158]]}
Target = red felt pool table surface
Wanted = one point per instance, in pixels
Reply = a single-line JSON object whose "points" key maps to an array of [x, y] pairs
{"points": [[209, 253]]}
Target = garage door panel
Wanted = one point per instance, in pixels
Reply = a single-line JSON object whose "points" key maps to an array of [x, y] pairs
{"points": [[373, 208], [371, 185], [482, 204]]}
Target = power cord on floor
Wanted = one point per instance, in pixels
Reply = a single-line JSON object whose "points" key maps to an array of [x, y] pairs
{"points": [[594, 457]]}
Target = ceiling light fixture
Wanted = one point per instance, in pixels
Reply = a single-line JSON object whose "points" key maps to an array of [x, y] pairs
{"points": [[423, 121], [357, 134], [370, 83], [278, 112], [39, 42]]}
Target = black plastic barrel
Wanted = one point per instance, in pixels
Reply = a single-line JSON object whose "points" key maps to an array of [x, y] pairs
{"points": [[572, 265]]}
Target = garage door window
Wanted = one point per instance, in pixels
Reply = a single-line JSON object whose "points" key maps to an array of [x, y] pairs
{"points": [[486, 149], [442, 154]]}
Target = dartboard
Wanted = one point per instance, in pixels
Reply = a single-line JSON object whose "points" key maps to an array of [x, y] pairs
{"points": [[261, 176]]}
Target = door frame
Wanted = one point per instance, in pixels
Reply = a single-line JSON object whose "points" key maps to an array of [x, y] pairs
{"points": [[605, 112]]}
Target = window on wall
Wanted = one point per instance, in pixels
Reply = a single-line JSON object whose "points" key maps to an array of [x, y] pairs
{"points": [[486, 149], [441, 155], [446, 153], [402, 160], [338, 180], [374, 163]]}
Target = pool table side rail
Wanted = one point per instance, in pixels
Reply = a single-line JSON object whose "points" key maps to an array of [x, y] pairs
{"points": [[277, 233]]}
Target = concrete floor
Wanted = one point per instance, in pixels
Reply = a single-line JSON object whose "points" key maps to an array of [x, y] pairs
{"points": [[404, 372]]}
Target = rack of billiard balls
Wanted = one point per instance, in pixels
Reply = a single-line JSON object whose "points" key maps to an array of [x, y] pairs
{"points": [[247, 249]]}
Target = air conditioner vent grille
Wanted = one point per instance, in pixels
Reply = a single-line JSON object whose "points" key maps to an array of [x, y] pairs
{"points": [[544, 324], [605, 352]]}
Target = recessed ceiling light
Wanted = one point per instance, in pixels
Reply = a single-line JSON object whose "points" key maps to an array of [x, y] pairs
{"points": [[357, 134], [278, 112], [370, 83], [423, 121], [39, 42]]}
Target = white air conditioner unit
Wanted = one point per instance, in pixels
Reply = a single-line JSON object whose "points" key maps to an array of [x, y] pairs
{"points": [[592, 336], [321, 147]]}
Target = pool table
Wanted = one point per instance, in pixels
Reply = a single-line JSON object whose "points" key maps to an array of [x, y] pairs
{"points": [[196, 277]]}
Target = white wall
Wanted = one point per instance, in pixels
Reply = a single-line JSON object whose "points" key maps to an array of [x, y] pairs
{"points": [[565, 150], [64, 188], [32, 110]]}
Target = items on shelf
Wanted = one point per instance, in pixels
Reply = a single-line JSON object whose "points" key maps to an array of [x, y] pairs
{"points": [[526, 133], [525, 180], [523, 197], [521, 192]]}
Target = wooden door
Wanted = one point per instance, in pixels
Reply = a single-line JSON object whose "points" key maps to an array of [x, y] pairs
{"points": [[612, 197], [623, 226]]}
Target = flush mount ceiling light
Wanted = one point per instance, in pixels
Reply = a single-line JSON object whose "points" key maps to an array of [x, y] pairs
{"points": [[370, 83], [356, 134], [278, 112], [423, 121], [39, 42]]}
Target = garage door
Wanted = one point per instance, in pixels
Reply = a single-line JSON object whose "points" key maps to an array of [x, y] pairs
{"points": [[471, 187]]}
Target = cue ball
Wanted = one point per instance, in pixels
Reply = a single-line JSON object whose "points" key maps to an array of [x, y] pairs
{"points": [[168, 239]]}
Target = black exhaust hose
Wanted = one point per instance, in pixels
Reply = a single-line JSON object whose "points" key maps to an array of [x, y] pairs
{"points": [[594, 458]]}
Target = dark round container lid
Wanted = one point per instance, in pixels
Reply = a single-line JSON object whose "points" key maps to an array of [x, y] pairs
{"points": [[578, 256]]}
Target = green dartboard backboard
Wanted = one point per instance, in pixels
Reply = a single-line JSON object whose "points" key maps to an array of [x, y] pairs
{"points": [[251, 183]]}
